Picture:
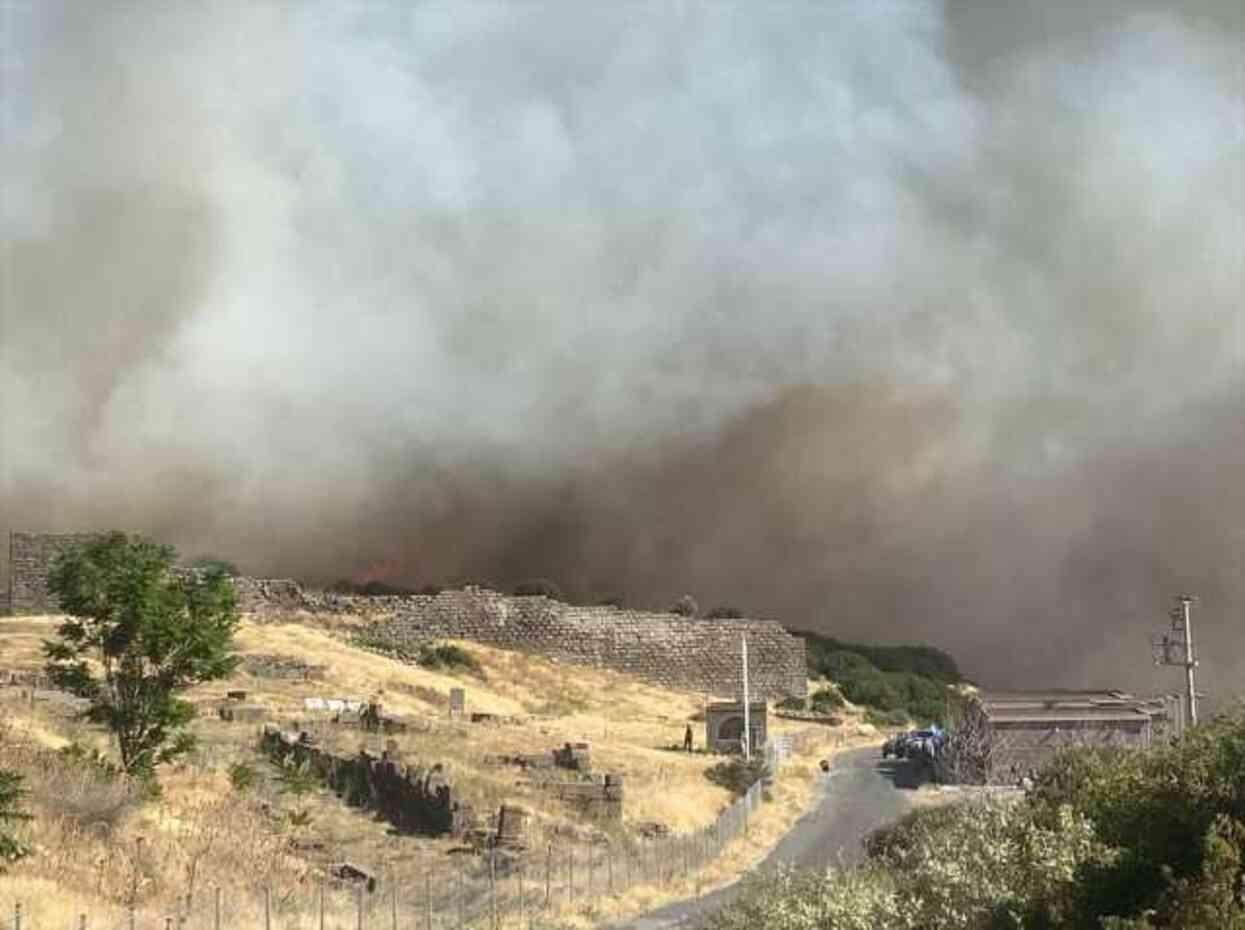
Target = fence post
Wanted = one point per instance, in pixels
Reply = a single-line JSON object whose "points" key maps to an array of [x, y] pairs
{"points": [[17, 915], [321, 905], [427, 900], [358, 912], [548, 874], [461, 895], [609, 864], [267, 908], [216, 909], [591, 868], [522, 867], [393, 903], [82, 922], [570, 885], [492, 887]]}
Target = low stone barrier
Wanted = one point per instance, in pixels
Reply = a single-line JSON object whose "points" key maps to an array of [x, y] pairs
{"points": [[413, 799]]}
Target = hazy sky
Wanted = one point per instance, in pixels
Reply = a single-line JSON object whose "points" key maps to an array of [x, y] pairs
{"points": [[899, 320]]}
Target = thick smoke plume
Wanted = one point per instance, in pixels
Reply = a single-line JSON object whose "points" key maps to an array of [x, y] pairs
{"points": [[892, 320]]}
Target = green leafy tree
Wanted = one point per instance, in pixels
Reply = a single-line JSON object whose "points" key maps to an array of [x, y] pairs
{"points": [[11, 848], [138, 634]]}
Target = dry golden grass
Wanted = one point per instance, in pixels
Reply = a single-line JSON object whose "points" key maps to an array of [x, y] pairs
{"points": [[203, 832]]}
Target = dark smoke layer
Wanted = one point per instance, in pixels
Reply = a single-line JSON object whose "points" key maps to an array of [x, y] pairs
{"points": [[893, 320]]}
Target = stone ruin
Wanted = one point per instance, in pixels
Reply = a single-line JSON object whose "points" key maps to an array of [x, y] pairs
{"points": [[413, 799], [663, 648]]}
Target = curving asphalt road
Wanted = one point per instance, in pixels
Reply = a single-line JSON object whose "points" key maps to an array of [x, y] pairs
{"points": [[859, 794]]}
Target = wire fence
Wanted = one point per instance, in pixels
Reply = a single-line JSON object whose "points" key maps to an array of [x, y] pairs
{"points": [[496, 890]]}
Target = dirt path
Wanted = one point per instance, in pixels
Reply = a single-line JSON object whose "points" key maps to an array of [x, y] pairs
{"points": [[859, 794]]}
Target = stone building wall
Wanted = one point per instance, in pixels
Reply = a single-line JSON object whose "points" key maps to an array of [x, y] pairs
{"points": [[30, 558]]}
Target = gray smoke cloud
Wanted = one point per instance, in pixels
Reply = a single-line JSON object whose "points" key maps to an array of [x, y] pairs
{"points": [[898, 320]]}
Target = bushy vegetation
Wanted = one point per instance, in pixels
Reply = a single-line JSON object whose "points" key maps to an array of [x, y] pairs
{"points": [[450, 657], [443, 656], [538, 587], [738, 774], [1106, 840], [724, 613], [896, 682], [11, 793], [685, 606], [925, 661]]}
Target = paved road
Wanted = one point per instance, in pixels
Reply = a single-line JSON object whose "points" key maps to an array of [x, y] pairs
{"points": [[859, 794]]}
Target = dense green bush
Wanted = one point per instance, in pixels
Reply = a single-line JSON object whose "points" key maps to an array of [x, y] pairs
{"points": [[1164, 809], [1106, 840], [925, 661], [926, 700]]}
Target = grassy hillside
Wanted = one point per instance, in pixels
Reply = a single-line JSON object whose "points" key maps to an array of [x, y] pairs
{"points": [[209, 827]]}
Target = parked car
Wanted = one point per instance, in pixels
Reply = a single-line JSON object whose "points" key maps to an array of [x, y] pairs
{"points": [[897, 745], [913, 744]]}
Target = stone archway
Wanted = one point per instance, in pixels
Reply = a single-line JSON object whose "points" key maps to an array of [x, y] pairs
{"points": [[731, 730]]}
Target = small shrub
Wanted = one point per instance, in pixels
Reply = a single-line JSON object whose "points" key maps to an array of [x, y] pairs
{"points": [[242, 776], [738, 774], [826, 700], [84, 786], [725, 613], [792, 703], [11, 795], [538, 587], [685, 606], [295, 778], [448, 656]]}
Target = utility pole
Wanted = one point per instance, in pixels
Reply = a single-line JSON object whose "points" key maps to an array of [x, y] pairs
{"points": [[1176, 648], [747, 723], [1189, 661]]}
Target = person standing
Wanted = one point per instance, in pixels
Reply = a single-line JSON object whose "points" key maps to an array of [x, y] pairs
{"points": [[687, 739]]}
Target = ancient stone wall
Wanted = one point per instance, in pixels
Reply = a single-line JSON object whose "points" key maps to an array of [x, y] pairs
{"points": [[30, 558], [667, 649]]}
